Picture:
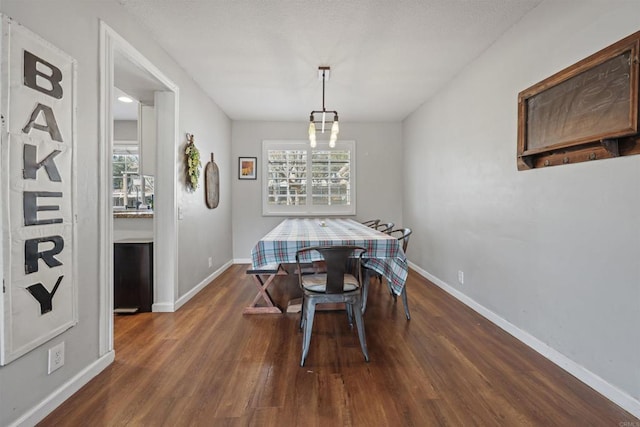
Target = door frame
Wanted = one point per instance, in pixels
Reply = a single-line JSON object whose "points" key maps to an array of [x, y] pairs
{"points": [[165, 228]]}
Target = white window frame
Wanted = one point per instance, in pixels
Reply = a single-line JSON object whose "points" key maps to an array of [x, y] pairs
{"points": [[308, 209], [124, 148]]}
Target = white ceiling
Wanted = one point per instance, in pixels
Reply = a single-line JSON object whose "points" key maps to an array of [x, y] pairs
{"points": [[134, 82], [122, 110], [258, 59]]}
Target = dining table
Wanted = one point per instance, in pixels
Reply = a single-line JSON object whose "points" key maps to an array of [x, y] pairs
{"points": [[384, 254]]}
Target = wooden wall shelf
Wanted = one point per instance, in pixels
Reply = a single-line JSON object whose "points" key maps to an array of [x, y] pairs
{"points": [[588, 111]]}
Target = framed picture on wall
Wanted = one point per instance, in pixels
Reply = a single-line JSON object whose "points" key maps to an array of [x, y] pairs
{"points": [[247, 167]]}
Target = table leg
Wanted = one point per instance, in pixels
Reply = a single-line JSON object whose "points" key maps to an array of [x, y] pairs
{"points": [[263, 294], [295, 305]]}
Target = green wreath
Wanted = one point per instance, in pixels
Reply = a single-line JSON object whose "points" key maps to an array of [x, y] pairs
{"points": [[193, 163]]}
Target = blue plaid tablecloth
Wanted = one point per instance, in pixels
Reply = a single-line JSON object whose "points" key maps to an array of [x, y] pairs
{"points": [[384, 253]]}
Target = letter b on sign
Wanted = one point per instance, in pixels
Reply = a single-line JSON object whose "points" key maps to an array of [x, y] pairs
{"points": [[52, 75]]}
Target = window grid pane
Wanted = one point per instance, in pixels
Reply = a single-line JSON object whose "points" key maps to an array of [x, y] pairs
{"points": [[125, 161], [330, 177], [287, 177]]}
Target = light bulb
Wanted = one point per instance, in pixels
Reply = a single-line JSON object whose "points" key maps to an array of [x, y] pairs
{"points": [[312, 129], [332, 140], [312, 140], [335, 128]]}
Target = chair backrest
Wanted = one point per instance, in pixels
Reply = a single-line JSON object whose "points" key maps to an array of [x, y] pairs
{"points": [[401, 234], [384, 227], [338, 259], [371, 222]]}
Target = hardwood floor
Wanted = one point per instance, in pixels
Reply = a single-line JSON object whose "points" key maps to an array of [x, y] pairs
{"points": [[209, 365]]}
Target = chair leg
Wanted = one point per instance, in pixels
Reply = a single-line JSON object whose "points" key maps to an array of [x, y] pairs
{"points": [[405, 303], [365, 289], [302, 312], [393, 294], [309, 310], [349, 308], [361, 335]]}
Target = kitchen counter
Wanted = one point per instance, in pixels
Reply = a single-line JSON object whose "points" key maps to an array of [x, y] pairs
{"points": [[132, 214]]}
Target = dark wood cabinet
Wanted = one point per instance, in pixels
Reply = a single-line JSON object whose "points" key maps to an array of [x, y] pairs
{"points": [[133, 275]]}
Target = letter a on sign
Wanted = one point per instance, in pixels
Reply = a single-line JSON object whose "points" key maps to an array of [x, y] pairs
{"points": [[51, 125]]}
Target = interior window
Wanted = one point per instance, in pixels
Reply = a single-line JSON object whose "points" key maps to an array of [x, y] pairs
{"points": [[130, 189], [300, 180]]}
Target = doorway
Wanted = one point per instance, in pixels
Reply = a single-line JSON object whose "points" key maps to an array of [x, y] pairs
{"points": [[123, 66]]}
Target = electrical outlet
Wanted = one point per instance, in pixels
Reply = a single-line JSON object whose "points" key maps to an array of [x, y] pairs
{"points": [[461, 277], [210, 262], [56, 357]]}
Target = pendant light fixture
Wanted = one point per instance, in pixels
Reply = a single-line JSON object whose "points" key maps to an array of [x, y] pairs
{"points": [[323, 124]]}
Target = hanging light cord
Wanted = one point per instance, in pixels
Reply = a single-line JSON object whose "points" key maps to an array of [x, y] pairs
{"points": [[334, 125]]}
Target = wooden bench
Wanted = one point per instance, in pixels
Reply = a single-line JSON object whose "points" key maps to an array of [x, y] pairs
{"points": [[263, 277]]}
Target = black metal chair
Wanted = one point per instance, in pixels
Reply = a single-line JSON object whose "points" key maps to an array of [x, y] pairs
{"points": [[384, 227], [371, 223], [402, 234], [337, 285]]}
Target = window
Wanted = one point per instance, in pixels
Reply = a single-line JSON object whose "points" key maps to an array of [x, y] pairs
{"points": [[130, 189], [125, 163], [299, 180]]}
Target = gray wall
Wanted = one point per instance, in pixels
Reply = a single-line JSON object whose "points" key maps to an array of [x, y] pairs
{"points": [[552, 251], [73, 26], [203, 232], [379, 174], [125, 130]]}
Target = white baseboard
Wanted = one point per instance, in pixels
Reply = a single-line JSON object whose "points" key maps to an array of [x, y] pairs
{"points": [[186, 297], [51, 402], [619, 397], [44, 408], [242, 261], [167, 307], [163, 307]]}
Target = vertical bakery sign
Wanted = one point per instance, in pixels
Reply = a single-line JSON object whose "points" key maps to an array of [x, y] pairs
{"points": [[38, 210]]}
